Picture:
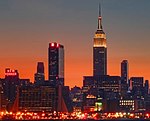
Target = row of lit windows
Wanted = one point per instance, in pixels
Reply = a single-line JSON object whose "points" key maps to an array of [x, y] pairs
{"points": [[131, 104], [132, 101], [111, 85]]}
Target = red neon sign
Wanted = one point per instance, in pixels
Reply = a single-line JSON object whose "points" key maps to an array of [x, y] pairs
{"points": [[10, 73]]}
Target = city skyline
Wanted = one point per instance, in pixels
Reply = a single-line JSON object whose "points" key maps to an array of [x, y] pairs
{"points": [[28, 27]]}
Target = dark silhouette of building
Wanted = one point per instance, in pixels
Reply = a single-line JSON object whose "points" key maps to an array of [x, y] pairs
{"points": [[40, 67], [105, 86], [10, 84], [36, 98], [88, 81], [146, 90], [110, 105], [39, 75], [146, 87], [99, 50], [56, 63], [137, 87], [77, 98], [64, 103], [125, 71], [109, 87], [124, 78], [3, 100]]}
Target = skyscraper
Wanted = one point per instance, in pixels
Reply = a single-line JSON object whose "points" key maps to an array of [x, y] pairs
{"points": [[146, 87], [40, 67], [124, 71], [39, 75], [99, 50], [56, 63], [124, 78]]}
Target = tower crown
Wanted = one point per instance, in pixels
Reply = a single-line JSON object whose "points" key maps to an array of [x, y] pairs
{"points": [[100, 37], [99, 49], [99, 19]]}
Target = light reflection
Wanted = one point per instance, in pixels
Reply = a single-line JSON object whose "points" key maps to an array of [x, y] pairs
{"points": [[74, 115]]}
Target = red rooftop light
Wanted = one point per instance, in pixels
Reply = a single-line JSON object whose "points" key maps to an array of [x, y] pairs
{"points": [[10, 72], [57, 45], [52, 44]]}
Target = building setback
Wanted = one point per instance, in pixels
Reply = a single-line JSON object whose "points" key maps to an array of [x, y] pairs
{"points": [[99, 50]]}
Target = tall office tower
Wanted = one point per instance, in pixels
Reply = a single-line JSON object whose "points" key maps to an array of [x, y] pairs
{"points": [[56, 63], [124, 71], [39, 75], [146, 87], [40, 67], [124, 78], [99, 50]]}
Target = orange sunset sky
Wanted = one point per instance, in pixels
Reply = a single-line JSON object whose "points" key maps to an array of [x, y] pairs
{"points": [[27, 28]]}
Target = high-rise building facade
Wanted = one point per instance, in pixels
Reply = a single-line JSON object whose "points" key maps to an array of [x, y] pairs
{"points": [[146, 87], [137, 87], [99, 50], [124, 78], [10, 84], [40, 67], [36, 98], [124, 71], [56, 63], [39, 75]]}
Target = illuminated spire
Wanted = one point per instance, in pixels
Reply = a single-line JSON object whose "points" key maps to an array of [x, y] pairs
{"points": [[100, 19]]}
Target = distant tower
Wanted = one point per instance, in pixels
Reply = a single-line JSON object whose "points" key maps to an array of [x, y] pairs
{"points": [[125, 71], [99, 50], [146, 87], [39, 75], [40, 67], [124, 78], [56, 63]]}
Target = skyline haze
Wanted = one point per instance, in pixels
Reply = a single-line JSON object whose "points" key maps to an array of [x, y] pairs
{"points": [[27, 28]]}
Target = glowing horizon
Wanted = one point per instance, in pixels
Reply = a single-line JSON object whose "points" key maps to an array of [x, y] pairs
{"points": [[27, 28]]}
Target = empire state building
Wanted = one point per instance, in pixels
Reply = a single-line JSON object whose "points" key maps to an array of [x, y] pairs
{"points": [[99, 50]]}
